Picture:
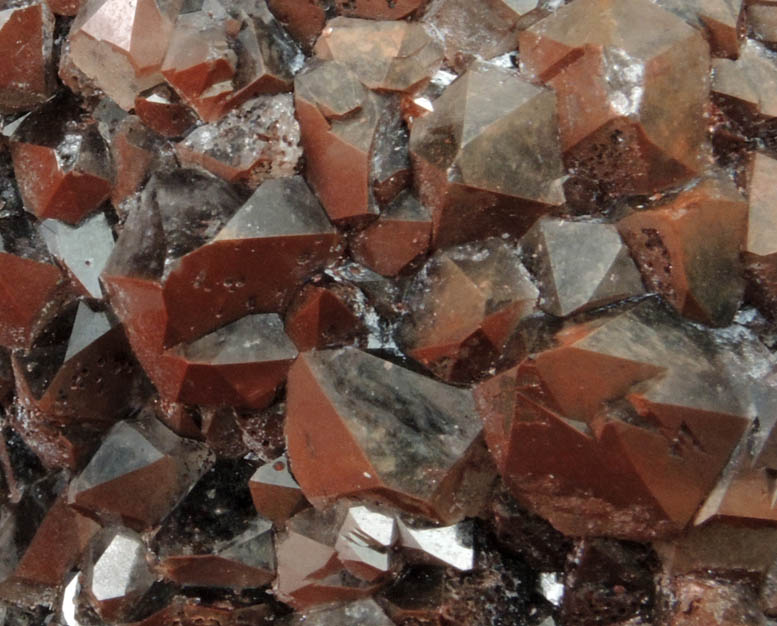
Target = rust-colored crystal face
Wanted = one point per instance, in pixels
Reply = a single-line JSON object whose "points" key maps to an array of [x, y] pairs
{"points": [[410, 312], [138, 474], [760, 253], [385, 55], [721, 21], [400, 235], [23, 313], [121, 44], [181, 277], [27, 73], [623, 119], [218, 58]]}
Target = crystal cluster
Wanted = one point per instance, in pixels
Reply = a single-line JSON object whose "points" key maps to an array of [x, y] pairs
{"points": [[407, 312]]}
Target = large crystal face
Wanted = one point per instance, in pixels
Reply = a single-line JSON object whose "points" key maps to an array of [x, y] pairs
{"points": [[400, 436], [411, 312]]}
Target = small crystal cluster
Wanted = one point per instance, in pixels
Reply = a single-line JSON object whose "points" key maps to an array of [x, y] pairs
{"points": [[374, 312]]}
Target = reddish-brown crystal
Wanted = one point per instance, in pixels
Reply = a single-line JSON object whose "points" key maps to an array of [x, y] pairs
{"points": [[628, 399], [746, 88], [304, 19], [26, 309], [58, 544], [189, 612], [139, 473], [26, 42], [401, 234], [309, 570], [120, 44], [212, 284], [338, 121], [62, 165], [688, 249], [216, 62], [161, 110], [616, 66], [85, 376], [760, 252], [464, 312], [275, 493], [324, 317], [65, 7], [134, 151], [410, 468], [384, 55], [379, 9], [241, 364], [722, 21], [246, 561]]}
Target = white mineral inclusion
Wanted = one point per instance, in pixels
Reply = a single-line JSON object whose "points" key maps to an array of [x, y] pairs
{"points": [[552, 587], [626, 77], [115, 571]]}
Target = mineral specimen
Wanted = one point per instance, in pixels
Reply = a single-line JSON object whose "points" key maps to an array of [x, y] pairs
{"points": [[411, 312]]}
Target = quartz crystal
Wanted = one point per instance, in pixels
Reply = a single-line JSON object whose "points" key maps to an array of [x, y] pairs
{"points": [[623, 121], [467, 304], [487, 158], [228, 149], [689, 252], [62, 164], [120, 574], [553, 249], [139, 473]]}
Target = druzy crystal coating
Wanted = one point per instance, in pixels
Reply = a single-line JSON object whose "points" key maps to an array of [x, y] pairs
{"points": [[410, 312]]}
